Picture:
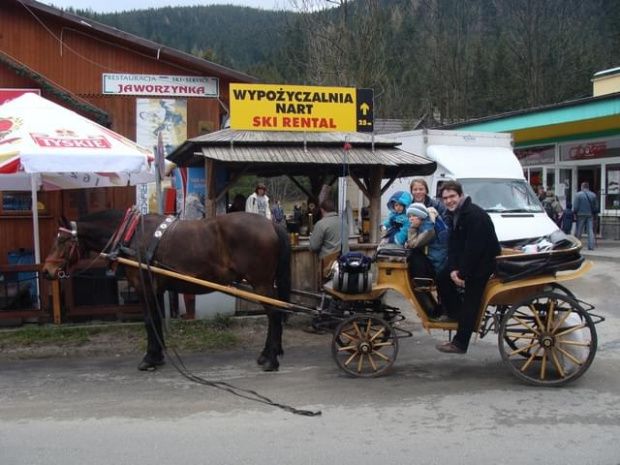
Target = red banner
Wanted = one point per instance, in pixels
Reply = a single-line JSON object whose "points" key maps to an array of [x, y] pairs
{"points": [[10, 94], [90, 143]]}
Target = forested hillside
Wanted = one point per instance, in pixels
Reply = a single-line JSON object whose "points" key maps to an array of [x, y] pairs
{"points": [[453, 59]]}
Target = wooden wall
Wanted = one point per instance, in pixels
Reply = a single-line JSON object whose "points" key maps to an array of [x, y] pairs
{"points": [[72, 58], [75, 61]]}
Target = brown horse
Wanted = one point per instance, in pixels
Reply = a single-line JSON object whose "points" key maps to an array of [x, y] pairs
{"points": [[225, 250]]}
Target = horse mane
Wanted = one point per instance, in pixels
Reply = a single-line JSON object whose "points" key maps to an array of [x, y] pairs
{"points": [[103, 216]]}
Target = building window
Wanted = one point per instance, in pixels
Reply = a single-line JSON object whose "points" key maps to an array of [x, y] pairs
{"points": [[16, 202], [612, 199], [536, 156]]}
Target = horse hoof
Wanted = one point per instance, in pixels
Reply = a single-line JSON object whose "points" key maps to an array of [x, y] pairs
{"points": [[261, 360], [270, 366], [149, 365]]}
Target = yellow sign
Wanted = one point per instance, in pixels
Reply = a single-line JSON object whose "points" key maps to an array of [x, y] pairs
{"points": [[264, 107]]}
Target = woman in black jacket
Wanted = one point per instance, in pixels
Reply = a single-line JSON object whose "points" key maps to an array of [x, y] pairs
{"points": [[472, 249]]}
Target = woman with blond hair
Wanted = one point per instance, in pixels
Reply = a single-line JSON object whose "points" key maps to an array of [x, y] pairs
{"points": [[419, 191]]}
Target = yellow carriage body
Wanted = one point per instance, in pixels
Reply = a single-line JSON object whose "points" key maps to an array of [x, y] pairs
{"points": [[392, 274]]}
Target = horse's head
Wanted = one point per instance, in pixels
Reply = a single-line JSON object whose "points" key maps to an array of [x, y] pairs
{"points": [[65, 250]]}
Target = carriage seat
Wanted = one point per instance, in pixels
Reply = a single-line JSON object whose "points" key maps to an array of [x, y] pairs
{"points": [[398, 254], [564, 255], [391, 253]]}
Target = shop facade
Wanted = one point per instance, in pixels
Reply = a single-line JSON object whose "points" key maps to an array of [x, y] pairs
{"points": [[560, 146], [563, 166]]}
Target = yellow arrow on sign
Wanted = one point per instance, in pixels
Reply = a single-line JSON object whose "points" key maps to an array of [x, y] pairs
{"points": [[365, 108]]}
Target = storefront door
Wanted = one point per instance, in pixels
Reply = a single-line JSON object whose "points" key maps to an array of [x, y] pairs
{"points": [[565, 186], [591, 175]]}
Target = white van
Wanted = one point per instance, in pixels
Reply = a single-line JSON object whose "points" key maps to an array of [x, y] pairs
{"points": [[490, 173]]}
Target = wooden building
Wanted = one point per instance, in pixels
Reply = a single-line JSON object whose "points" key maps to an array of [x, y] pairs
{"points": [[65, 58]]}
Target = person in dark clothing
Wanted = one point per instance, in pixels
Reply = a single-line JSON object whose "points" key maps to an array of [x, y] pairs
{"points": [[472, 248], [567, 218], [315, 211], [238, 204]]}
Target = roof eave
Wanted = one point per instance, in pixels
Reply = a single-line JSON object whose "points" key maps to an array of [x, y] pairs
{"points": [[157, 49], [502, 122]]}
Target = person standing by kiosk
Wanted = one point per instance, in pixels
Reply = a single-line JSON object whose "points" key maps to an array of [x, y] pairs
{"points": [[258, 202], [329, 239]]}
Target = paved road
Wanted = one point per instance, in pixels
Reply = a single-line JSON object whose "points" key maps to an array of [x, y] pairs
{"points": [[433, 409]]}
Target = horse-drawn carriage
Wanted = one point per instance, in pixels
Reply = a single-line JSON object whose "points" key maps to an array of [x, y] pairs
{"points": [[546, 335]]}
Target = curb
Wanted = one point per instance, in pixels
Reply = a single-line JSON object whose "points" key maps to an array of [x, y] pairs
{"points": [[599, 257]]}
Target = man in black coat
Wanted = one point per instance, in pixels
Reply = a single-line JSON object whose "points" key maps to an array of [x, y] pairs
{"points": [[472, 249]]}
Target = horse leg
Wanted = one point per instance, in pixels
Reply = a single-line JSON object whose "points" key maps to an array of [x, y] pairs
{"points": [[273, 343], [155, 337]]}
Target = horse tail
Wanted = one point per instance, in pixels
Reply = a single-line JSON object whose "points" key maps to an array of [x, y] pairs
{"points": [[283, 276]]}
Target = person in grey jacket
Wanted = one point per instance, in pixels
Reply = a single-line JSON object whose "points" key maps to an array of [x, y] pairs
{"points": [[330, 234], [329, 231], [585, 207]]}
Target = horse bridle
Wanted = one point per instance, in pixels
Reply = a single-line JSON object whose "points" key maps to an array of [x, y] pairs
{"points": [[74, 250]]}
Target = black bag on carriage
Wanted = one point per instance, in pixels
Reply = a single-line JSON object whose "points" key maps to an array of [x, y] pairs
{"points": [[353, 275]]}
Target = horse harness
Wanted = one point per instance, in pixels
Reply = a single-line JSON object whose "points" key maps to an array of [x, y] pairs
{"points": [[125, 232], [74, 248]]}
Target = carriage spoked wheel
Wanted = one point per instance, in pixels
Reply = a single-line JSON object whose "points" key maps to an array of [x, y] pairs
{"points": [[365, 346], [514, 343], [547, 339]]}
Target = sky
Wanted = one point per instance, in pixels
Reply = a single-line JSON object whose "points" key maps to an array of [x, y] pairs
{"points": [[109, 6]]}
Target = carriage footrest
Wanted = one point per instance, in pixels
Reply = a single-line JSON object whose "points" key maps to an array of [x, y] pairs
{"points": [[395, 254], [423, 284]]}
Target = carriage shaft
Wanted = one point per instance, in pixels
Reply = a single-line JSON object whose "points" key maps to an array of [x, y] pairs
{"points": [[251, 296]]}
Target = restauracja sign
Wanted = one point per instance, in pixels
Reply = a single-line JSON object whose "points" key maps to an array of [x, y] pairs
{"points": [[161, 86]]}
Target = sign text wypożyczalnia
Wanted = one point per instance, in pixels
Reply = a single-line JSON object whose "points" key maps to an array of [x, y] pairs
{"points": [[264, 107]]}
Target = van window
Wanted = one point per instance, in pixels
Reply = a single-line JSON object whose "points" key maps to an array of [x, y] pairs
{"points": [[502, 195]]}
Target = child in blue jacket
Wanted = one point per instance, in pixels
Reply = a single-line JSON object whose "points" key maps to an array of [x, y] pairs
{"points": [[397, 224]]}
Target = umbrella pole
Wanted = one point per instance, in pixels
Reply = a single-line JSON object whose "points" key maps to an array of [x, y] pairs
{"points": [[35, 217], [35, 228], [160, 203], [160, 211]]}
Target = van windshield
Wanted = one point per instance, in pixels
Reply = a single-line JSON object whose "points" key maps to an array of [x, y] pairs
{"points": [[502, 195]]}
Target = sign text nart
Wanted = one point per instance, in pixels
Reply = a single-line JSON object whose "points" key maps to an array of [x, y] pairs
{"points": [[262, 107]]}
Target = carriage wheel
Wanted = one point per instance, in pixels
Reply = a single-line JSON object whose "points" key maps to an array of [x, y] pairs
{"points": [[514, 343], [364, 346], [547, 340]]}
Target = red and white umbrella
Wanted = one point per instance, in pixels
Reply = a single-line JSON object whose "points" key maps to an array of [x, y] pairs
{"points": [[65, 149], [44, 145]]}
